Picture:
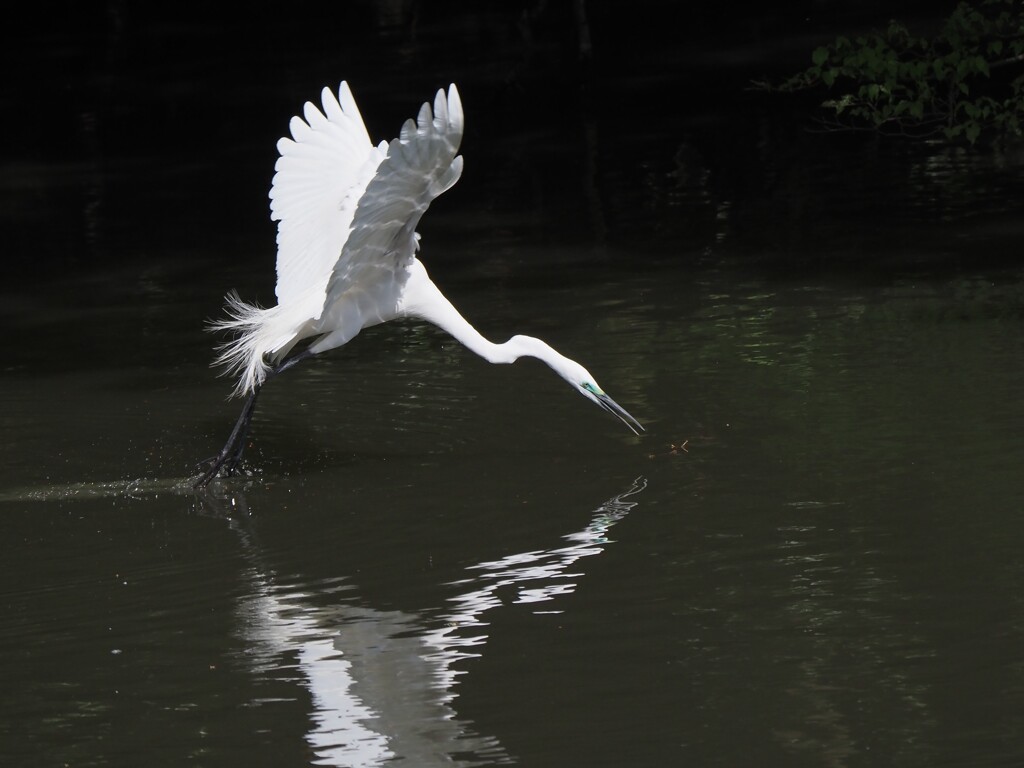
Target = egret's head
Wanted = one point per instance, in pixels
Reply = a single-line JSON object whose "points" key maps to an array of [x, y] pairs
{"points": [[579, 378], [588, 387]]}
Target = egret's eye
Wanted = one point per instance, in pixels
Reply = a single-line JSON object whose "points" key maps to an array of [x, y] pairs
{"points": [[589, 387]]}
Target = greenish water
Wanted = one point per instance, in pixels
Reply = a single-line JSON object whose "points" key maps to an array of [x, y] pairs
{"points": [[817, 542]]}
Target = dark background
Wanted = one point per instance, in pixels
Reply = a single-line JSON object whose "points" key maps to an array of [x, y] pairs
{"points": [[106, 95]]}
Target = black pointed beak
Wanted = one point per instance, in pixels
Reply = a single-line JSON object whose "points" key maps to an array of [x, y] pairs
{"points": [[621, 413]]}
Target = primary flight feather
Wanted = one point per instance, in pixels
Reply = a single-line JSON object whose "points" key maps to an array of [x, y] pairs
{"points": [[347, 213]]}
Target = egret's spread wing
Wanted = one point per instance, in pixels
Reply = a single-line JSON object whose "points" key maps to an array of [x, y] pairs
{"points": [[321, 174], [420, 165]]}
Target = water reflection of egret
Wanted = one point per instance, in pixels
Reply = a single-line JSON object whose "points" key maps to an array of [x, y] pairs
{"points": [[382, 683]]}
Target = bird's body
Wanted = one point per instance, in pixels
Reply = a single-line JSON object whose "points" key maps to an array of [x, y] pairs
{"points": [[347, 213]]}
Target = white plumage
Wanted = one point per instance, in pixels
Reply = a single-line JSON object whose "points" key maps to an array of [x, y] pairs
{"points": [[347, 213], [337, 272]]}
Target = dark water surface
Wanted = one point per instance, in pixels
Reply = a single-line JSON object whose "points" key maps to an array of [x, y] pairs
{"points": [[812, 557], [442, 560]]}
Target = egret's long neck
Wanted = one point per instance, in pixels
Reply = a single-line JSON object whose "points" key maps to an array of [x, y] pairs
{"points": [[423, 299]]}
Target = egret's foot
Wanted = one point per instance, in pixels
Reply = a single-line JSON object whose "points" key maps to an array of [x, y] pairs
{"points": [[211, 472], [222, 465], [205, 464]]}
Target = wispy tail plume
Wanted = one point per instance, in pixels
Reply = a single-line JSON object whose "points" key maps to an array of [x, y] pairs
{"points": [[243, 355]]}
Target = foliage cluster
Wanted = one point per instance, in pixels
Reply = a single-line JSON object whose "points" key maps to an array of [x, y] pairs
{"points": [[965, 81]]}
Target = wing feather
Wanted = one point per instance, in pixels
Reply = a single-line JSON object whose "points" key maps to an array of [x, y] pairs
{"points": [[342, 207], [420, 165], [319, 177]]}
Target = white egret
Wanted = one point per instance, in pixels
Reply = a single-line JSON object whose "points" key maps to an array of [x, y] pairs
{"points": [[347, 213]]}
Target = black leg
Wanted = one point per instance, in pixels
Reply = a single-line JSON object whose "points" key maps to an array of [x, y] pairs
{"points": [[230, 455]]}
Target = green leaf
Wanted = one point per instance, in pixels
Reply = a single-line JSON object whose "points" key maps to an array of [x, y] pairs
{"points": [[895, 78]]}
